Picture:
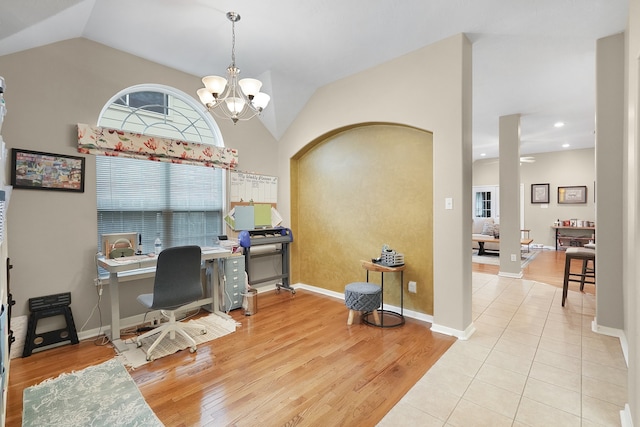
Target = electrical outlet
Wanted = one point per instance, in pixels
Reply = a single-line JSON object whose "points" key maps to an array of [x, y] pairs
{"points": [[513, 257], [412, 287]]}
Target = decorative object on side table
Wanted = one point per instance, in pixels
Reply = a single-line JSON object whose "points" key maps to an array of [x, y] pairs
{"points": [[390, 258]]}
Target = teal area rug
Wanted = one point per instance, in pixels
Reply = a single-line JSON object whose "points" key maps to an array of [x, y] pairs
{"points": [[100, 395]]}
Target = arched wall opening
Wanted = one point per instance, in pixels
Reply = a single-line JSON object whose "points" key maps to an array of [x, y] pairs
{"points": [[355, 189]]}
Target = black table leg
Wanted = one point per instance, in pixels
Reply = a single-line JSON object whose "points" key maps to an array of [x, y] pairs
{"points": [[480, 248]]}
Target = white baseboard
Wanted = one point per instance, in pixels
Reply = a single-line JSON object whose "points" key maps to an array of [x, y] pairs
{"points": [[340, 295], [19, 326], [613, 332], [511, 275], [625, 417], [461, 335], [333, 294]]}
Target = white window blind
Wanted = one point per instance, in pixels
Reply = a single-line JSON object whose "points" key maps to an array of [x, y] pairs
{"points": [[181, 204]]}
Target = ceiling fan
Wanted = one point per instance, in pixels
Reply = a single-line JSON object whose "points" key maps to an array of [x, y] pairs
{"points": [[523, 159]]}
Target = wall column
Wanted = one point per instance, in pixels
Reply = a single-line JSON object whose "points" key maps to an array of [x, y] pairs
{"points": [[609, 183], [509, 139]]}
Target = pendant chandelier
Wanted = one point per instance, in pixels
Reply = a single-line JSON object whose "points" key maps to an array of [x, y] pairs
{"points": [[232, 98]]}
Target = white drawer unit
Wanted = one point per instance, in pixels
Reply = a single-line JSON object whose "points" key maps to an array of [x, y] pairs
{"points": [[234, 284]]}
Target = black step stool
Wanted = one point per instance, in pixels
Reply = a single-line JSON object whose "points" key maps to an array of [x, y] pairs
{"points": [[49, 306]]}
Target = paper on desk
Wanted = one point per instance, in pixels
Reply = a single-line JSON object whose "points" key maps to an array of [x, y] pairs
{"points": [[214, 249], [133, 258]]}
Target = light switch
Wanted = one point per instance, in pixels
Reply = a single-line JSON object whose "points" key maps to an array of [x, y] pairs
{"points": [[448, 203]]}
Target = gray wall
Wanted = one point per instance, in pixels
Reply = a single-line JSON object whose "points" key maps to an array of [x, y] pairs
{"points": [[631, 209], [558, 169], [609, 180], [52, 235], [509, 140], [439, 78], [57, 231]]}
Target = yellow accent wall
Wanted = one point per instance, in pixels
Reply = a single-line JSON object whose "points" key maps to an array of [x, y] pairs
{"points": [[355, 190]]}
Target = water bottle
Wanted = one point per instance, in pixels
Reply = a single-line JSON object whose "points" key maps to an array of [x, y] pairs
{"points": [[157, 246]]}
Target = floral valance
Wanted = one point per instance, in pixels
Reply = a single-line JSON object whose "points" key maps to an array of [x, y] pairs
{"points": [[112, 142]]}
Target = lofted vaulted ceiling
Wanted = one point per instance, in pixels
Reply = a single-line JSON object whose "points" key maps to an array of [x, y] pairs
{"points": [[535, 57]]}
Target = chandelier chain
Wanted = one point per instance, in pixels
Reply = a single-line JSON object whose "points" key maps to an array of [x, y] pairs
{"points": [[231, 97], [233, 43]]}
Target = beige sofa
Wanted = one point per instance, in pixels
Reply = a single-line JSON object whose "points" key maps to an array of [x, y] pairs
{"points": [[484, 227]]}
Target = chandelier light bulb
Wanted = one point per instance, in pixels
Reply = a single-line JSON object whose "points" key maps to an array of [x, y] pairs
{"points": [[261, 100], [214, 84], [250, 87], [235, 105], [205, 96]]}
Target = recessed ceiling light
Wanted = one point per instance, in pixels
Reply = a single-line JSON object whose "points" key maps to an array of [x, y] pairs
{"points": [[483, 154], [566, 145], [558, 124]]}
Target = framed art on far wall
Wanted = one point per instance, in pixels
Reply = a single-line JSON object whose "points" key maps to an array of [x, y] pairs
{"points": [[46, 171], [568, 195], [539, 193]]}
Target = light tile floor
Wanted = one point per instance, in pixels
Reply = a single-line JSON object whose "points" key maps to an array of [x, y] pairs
{"points": [[531, 362]]}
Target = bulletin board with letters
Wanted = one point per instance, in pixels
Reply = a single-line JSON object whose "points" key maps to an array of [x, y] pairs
{"points": [[253, 200]]}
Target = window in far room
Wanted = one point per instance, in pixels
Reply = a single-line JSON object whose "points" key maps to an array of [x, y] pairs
{"points": [[181, 204], [485, 202]]}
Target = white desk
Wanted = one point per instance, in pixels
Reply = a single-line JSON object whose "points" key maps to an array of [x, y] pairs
{"points": [[118, 265]]}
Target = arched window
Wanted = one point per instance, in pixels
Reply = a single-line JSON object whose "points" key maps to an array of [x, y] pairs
{"points": [[180, 204], [161, 111]]}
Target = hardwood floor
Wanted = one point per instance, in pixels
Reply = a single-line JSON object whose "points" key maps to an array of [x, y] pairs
{"points": [[546, 267], [295, 362]]}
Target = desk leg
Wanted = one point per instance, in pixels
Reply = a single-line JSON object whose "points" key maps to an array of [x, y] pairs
{"points": [[115, 313], [402, 294], [212, 279], [214, 286], [382, 299]]}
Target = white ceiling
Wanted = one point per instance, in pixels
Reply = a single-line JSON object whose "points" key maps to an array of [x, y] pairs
{"points": [[532, 57]]}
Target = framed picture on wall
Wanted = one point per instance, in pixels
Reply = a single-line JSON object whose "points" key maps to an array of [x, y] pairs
{"points": [[539, 193], [35, 170], [568, 195]]}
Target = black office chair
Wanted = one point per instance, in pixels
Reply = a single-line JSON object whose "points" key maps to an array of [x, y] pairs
{"points": [[177, 283]]}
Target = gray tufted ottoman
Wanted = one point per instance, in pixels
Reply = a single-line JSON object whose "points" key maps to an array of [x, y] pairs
{"points": [[362, 296]]}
